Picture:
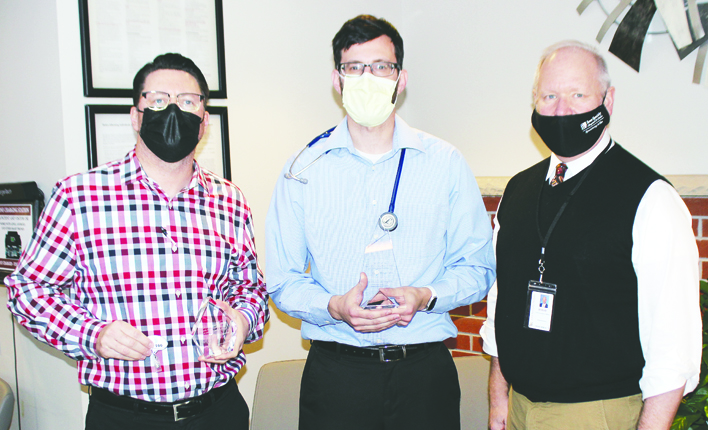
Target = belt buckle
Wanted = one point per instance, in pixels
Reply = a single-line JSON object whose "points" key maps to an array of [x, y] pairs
{"points": [[176, 412], [382, 351]]}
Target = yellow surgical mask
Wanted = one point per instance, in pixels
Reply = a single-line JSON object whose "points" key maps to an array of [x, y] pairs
{"points": [[368, 99]]}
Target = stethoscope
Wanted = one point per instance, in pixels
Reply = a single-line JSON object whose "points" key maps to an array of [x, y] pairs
{"points": [[290, 175], [388, 221]]}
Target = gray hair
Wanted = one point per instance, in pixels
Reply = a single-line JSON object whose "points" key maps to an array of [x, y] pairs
{"points": [[603, 76]]}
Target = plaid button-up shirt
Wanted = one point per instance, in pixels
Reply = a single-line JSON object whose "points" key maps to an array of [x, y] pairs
{"points": [[110, 245]]}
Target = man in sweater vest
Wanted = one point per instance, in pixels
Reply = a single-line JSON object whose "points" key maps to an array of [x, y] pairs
{"points": [[607, 244]]}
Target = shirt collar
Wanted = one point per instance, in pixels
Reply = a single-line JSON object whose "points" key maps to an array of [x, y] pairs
{"points": [[133, 172], [403, 137], [578, 165], [201, 179]]}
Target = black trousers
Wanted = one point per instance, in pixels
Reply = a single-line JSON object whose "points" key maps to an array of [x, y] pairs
{"points": [[230, 412], [349, 393]]}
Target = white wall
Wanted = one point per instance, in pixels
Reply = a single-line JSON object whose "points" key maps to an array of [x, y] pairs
{"points": [[32, 149], [483, 103], [31, 112], [470, 66]]}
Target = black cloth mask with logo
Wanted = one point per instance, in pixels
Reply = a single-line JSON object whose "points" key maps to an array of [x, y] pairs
{"points": [[171, 134], [571, 135]]}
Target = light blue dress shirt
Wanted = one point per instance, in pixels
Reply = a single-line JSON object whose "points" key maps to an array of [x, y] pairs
{"points": [[443, 238]]}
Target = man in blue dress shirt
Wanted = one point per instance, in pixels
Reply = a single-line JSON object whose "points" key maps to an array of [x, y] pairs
{"points": [[387, 214]]}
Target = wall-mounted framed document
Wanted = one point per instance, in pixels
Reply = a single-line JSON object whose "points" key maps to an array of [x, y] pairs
{"points": [[118, 37], [110, 136]]}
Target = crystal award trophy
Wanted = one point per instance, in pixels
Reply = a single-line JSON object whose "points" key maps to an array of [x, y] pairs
{"points": [[381, 271], [214, 332]]}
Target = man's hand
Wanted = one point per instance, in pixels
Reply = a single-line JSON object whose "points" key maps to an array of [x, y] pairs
{"points": [[410, 301], [242, 329], [122, 341], [348, 308]]}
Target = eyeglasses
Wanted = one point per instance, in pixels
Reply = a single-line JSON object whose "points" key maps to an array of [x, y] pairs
{"points": [[158, 100], [381, 69]]}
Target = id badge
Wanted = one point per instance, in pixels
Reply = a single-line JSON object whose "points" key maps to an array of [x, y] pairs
{"points": [[159, 344], [539, 305]]}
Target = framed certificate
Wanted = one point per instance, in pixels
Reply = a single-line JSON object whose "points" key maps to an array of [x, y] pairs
{"points": [[110, 136], [118, 37]]}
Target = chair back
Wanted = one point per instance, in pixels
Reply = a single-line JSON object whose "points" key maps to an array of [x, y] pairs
{"points": [[276, 402], [7, 404], [277, 396]]}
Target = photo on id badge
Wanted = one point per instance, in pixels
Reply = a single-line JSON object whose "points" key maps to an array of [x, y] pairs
{"points": [[539, 310]]}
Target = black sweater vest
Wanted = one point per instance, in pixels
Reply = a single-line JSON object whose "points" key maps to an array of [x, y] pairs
{"points": [[593, 350]]}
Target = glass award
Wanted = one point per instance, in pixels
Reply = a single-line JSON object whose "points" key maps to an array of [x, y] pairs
{"points": [[381, 271], [214, 332]]}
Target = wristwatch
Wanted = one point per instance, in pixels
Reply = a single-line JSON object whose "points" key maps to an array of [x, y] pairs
{"points": [[433, 299]]}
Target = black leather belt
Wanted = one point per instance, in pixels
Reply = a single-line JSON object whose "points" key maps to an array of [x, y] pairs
{"points": [[179, 410], [383, 353]]}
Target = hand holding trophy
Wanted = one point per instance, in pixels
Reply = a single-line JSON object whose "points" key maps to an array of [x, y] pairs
{"points": [[381, 270], [214, 332]]}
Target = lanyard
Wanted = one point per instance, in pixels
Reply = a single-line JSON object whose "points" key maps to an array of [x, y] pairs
{"points": [[544, 239], [388, 220]]}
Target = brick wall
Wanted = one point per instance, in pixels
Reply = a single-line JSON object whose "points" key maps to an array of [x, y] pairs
{"points": [[698, 206], [469, 319]]}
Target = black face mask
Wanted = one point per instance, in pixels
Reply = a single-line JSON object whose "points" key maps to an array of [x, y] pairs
{"points": [[571, 135], [171, 133]]}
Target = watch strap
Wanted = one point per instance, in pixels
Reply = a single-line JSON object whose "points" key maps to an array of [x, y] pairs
{"points": [[432, 301]]}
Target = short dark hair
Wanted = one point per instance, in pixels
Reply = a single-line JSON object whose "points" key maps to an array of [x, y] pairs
{"points": [[169, 61], [362, 29]]}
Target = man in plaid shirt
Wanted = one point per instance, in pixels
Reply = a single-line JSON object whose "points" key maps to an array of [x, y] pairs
{"points": [[124, 255]]}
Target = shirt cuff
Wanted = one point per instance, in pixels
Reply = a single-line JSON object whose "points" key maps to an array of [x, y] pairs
{"points": [[489, 344], [90, 331], [320, 311], [659, 381], [433, 293], [250, 314]]}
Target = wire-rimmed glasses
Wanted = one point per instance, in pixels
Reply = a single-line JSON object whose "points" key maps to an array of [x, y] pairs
{"points": [[381, 69], [159, 100]]}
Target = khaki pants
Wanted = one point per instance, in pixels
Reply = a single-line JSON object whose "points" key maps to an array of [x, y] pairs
{"points": [[614, 414]]}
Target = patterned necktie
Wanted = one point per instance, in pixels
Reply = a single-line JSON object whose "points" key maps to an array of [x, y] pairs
{"points": [[560, 172]]}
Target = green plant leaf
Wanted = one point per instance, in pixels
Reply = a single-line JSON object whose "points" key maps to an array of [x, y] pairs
{"points": [[696, 404], [698, 397], [689, 407], [684, 422], [704, 285], [693, 410]]}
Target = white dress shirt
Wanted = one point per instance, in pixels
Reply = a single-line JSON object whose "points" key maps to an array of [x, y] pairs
{"points": [[665, 260]]}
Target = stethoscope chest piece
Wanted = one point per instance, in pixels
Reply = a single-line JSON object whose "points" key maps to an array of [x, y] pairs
{"points": [[388, 221]]}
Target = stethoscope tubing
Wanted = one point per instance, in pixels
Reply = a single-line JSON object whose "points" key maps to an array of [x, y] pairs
{"points": [[392, 205], [290, 175]]}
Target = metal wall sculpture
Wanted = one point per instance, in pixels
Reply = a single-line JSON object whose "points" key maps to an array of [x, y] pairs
{"points": [[685, 21]]}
